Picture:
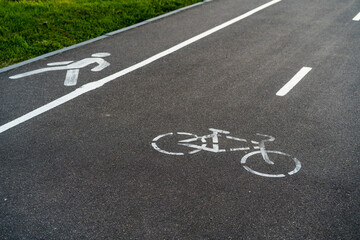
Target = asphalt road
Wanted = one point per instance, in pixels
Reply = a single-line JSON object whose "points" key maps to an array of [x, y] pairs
{"points": [[87, 167]]}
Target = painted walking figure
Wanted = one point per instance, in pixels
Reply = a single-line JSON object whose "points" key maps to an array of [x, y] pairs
{"points": [[72, 68]]}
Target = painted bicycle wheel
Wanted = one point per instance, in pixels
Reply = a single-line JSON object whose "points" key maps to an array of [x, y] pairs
{"points": [[171, 140], [294, 164]]}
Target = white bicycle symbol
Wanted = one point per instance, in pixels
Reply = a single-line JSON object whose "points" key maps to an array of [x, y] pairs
{"points": [[214, 138]]}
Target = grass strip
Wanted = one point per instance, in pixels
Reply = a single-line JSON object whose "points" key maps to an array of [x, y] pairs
{"points": [[29, 28]]}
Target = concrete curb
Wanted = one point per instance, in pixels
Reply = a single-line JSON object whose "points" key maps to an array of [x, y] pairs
{"points": [[100, 37]]}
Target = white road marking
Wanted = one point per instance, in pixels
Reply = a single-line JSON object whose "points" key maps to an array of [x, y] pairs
{"points": [[163, 151], [100, 55], [59, 63], [292, 83], [239, 149], [244, 160], [163, 135], [155, 146], [94, 85], [240, 140], [236, 139], [357, 17], [185, 133], [296, 169], [71, 77], [214, 149]]}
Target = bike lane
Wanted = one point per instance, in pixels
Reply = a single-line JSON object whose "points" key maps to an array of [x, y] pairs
{"points": [[88, 170], [132, 47]]}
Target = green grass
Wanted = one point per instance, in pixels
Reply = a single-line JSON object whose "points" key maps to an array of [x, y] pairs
{"points": [[29, 28]]}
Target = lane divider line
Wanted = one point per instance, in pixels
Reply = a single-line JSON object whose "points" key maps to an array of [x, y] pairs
{"points": [[94, 85], [357, 17], [295, 80]]}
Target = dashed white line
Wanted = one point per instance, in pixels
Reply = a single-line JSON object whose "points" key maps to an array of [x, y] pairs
{"points": [[295, 80], [357, 17], [94, 85]]}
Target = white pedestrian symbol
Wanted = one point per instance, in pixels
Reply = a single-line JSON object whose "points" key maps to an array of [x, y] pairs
{"points": [[72, 68]]}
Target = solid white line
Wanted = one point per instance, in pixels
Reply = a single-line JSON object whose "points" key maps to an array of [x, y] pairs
{"points": [[59, 63], [292, 83], [357, 17], [94, 85]]}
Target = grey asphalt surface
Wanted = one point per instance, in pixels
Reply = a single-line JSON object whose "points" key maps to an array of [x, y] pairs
{"points": [[87, 169]]}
